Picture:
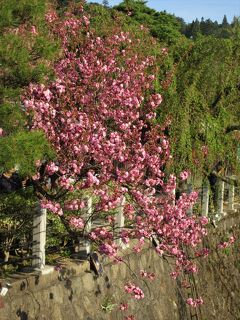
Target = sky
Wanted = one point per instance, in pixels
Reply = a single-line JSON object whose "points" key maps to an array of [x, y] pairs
{"points": [[191, 9]]}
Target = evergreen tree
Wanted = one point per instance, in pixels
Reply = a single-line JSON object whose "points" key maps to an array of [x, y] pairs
{"points": [[194, 29], [183, 25], [235, 21], [26, 52], [207, 27], [105, 3], [225, 23], [225, 31], [162, 25]]}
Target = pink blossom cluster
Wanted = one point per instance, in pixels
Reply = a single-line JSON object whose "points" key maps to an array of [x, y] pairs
{"points": [[74, 205], [194, 302], [33, 30], [184, 264], [110, 250], [76, 222], [51, 16], [66, 182], [135, 291], [51, 168], [125, 236], [190, 267], [148, 275], [204, 221], [101, 233], [53, 207], [109, 200], [226, 244], [123, 306], [174, 274], [184, 175], [204, 252]]}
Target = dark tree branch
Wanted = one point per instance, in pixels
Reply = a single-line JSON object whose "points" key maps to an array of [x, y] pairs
{"points": [[232, 128], [225, 179]]}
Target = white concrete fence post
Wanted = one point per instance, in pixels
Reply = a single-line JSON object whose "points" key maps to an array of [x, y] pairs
{"points": [[231, 192], [39, 238], [220, 199], [85, 245], [174, 196], [89, 223], [205, 199], [119, 223]]}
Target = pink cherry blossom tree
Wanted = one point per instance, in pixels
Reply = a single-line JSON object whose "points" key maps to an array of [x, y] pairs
{"points": [[99, 116]]}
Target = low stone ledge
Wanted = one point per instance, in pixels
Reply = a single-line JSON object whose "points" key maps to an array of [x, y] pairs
{"points": [[38, 280]]}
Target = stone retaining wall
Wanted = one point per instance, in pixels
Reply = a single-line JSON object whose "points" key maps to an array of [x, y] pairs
{"points": [[75, 293]]}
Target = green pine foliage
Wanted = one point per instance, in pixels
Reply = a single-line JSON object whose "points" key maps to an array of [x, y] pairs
{"points": [[162, 25], [207, 27], [22, 149], [25, 57], [16, 12]]}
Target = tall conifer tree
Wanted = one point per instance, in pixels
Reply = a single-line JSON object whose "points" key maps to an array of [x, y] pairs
{"points": [[26, 52]]}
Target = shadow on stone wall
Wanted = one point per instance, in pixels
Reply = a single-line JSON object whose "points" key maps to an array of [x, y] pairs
{"points": [[22, 315], [75, 293]]}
